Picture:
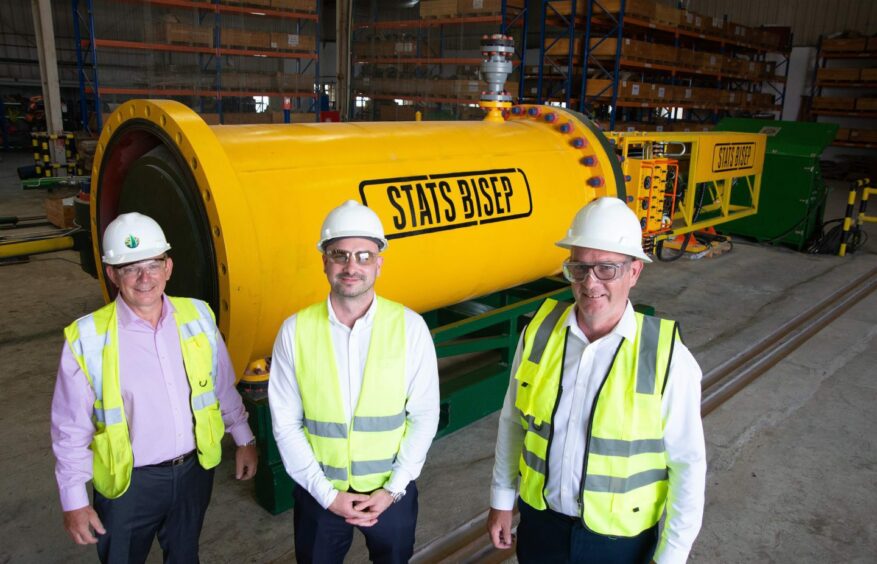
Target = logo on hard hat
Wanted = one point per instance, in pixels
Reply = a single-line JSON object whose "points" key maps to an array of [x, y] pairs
{"points": [[132, 242]]}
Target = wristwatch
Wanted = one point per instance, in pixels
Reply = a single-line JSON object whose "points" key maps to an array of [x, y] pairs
{"points": [[395, 495]]}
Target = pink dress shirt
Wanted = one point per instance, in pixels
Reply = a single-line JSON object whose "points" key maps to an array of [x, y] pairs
{"points": [[155, 393]]}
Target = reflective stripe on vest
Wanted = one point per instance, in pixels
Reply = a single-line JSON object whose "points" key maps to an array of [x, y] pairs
{"points": [[625, 480], [358, 454], [93, 340]]}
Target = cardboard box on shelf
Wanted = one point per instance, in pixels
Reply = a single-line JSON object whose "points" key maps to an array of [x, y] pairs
{"points": [[668, 15], [395, 112], [644, 9], [735, 67], [260, 3], [485, 7], [292, 41], [599, 87], [847, 45], [295, 5], [661, 92], [863, 135], [244, 38], [834, 103], [838, 75], [737, 32], [714, 26], [692, 21], [637, 8], [173, 32], [59, 212], [438, 8], [843, 134], [869, 104], [635, 91], [869, 75]]}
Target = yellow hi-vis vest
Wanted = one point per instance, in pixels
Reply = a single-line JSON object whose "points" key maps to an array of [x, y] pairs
{"points": [[360, 454], [624, 478], [94, 340]]}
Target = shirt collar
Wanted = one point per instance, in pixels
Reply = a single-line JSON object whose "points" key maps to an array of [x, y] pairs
{"points": [[367, 318], [625, 328], [128, 319]]}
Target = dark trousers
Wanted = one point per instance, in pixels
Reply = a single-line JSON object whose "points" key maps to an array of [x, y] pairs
{"points": [[321, 537], [547, 537], [168, 501]]}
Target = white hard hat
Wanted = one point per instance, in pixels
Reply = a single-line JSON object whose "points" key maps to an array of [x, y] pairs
{"points": [[352, 219], [606, 224], [133, 237]]}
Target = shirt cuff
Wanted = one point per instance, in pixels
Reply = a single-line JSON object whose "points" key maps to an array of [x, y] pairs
{"points": [[398, 482], [503, 498], [667, 554], [74, 497], [242, 434], [327, 497]]}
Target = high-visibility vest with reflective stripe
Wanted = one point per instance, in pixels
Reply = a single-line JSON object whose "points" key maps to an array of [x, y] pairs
{"points": [[94, 340], [358, 454], [624, 483]]}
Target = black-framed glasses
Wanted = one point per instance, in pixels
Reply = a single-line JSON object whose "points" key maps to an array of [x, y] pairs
{"points": [[362, 258], [151, 268], [575, 271]]}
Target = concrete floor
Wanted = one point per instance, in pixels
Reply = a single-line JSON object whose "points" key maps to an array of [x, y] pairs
{"points": [[793, 463]]}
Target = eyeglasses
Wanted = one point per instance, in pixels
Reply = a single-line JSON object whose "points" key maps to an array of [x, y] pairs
{"points": [[604, 271], [150, 267], [362, 258]]}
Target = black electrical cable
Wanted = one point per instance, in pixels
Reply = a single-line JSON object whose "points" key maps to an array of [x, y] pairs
{"points": [[828, 241], [659, 246]]}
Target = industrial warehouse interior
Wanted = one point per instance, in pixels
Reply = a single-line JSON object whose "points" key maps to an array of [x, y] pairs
{"points": [[742, 136]]}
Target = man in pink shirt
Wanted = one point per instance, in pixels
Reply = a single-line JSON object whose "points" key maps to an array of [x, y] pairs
{"points": [[144, 395]]}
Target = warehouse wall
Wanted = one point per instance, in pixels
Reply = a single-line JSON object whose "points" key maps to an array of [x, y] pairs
{"points": [[808, 18]]}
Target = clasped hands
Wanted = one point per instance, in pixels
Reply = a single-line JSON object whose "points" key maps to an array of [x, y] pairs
{"points": [[361, 510]]}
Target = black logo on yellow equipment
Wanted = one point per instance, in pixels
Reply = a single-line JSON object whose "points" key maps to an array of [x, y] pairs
{"points": [[415, 205], [733, 156]]}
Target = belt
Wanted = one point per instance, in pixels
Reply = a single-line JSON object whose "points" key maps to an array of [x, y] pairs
{"points": [[182, 459]]}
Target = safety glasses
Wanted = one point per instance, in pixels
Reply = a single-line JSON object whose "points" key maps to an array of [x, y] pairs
{"points": [[362, 258], [151, 267], [604, 271]]}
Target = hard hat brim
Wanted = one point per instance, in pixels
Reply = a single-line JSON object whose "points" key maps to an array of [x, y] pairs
{"points": [[381, 242], [608, 246], [135, 256]]}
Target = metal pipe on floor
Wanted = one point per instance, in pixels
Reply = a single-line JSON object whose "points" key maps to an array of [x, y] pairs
{"points": [[25, 248]]}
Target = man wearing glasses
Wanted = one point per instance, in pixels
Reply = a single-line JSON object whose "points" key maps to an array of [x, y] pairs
{"points": [[145, 393], [602, 416], [354, 402]]}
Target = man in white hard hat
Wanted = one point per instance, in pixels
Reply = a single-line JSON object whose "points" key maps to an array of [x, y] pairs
{"points": [[145, 393], [602, 416], [354, 402]]}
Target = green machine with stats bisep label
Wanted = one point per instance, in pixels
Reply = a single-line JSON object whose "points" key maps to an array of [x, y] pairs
{"points": [[791, 204]]}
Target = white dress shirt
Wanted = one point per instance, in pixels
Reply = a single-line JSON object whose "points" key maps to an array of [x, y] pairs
{"points": [[584, 366], [351, 350]]}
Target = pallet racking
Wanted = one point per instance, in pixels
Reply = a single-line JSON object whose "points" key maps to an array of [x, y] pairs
{"points": [[845, 88], [642, 60], [189, 50], [427, 58]]}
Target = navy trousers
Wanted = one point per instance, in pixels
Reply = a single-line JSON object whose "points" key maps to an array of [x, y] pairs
{"points": [[547, 537], [321, 537], [167, 501]]}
